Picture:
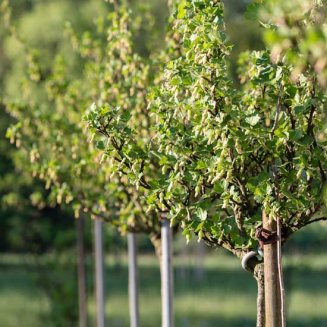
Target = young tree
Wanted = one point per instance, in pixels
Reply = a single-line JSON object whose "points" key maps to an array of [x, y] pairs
{"points": [[49, 130], [237, 155], [51, 133], [238, 165]]}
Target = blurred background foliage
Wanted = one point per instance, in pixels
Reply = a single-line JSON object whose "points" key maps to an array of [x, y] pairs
{"points": [[31, 224]]}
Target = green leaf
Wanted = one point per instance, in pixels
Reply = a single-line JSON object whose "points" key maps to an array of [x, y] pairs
{"points": [[181, 11], [201, 165], [163, 160], [125, 117], [151, 199], [252, 10], [100, 145]]}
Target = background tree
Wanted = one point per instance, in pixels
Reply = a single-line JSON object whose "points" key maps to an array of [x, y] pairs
{"points": [[48, 93], [49, 130], [23, 201]]}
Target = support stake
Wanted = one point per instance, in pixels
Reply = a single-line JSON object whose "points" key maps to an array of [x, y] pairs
{"points": [[133, 288], [272, 289], [166, 275], [81, 272], [99, 272]]}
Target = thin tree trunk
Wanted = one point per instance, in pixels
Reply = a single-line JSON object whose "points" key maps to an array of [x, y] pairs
{"points": [[156, 242], [133, 281], [81, 271], [99, 273], [272, 289], [259, 276], [166, 275]]}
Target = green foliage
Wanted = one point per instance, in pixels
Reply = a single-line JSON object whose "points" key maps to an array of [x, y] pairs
{"points": [[176, 136], [235, 153], [300, 36], [27, 223], [226, 154], [53, 96]]}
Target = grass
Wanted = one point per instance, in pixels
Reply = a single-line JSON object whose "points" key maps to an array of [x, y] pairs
{"points": [[20, 298], [223, 295]]}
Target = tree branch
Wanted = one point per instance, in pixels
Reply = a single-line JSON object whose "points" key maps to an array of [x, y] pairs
{"points": [[314, 221]]}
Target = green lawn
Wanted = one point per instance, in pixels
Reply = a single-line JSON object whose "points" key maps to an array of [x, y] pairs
{"points": [[224, 296]]}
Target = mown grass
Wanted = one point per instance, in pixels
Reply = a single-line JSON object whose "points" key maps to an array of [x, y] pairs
{"points": [[222, 295], [21, 301]]}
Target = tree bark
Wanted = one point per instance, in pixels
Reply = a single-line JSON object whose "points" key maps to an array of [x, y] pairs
{"points": [[271, 274], [259, 276], [156, 242], [133, 281], [81, 272]]}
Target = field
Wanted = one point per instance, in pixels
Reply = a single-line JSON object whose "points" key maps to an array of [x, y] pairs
{"points": [[220, 295]]}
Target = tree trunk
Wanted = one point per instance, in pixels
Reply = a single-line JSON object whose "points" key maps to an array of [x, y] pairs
{"points": [[81, 272], [271, 274], [156, 242], [133, 281], [99, 273], [259, 276]]}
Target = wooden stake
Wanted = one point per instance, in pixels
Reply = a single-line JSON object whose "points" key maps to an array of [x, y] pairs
{"points": [[81, 272], [280, 274], [166, 275], [271, 277], [99, 273], [133, 281]]}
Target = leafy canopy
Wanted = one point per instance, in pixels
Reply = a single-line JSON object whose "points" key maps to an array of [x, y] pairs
{"points": [[227, 154]]}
